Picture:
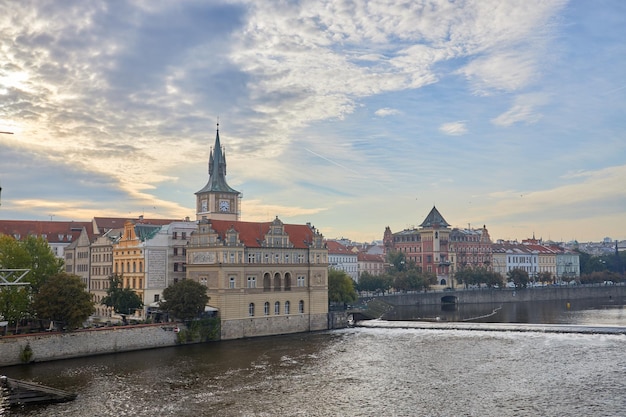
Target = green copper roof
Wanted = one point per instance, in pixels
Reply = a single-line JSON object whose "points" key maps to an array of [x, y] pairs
{"points": [[146, 231], [434, 218], [217, 170]]}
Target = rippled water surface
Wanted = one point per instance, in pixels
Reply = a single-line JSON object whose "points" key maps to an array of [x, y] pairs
{"points": [[352, 372]]}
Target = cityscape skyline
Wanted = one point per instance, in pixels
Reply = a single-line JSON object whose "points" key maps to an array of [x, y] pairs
{"points": [[350, 115]]}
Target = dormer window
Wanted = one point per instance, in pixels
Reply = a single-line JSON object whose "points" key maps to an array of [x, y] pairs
{"points": [[60, 236]]}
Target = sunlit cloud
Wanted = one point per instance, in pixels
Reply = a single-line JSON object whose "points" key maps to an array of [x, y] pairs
{"points": [[524, 109], [453, 128], [387, 112]]}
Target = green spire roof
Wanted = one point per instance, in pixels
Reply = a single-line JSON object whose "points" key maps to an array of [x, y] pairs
{"points": [[217, 170], [433, 219]]}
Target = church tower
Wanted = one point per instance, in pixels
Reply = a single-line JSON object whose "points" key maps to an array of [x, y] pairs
{"points": [[217, 200]]}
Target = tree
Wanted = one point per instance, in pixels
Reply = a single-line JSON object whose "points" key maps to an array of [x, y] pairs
{"points": [[14, 303], [32, 253], [63, 298], [373, 283], [122, 300], [545, 276], [396, 261], [43, 263], [12, 254], [519, 277], [185, 299], [340, 287]]}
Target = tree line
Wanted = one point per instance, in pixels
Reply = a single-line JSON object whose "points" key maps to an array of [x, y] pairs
{"points": [[55, 297], [404, 276]]}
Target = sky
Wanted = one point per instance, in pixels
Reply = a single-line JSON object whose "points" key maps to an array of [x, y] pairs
{"points": [[351, 115]]}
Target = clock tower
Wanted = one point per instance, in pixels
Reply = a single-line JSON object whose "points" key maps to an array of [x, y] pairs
{"points": [[216, 200]]}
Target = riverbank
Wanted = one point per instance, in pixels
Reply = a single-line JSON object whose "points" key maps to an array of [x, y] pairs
{"points": [[41, 347], [504, 295]]}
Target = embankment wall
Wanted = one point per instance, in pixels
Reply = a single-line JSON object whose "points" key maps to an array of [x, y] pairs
{"points": [[608, 292], [53, 346]]}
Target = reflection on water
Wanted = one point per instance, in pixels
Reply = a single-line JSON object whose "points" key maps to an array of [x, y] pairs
{"points": [[356, 372], [583, 312]]}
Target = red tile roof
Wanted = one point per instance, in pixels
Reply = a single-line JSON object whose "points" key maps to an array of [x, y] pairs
{"points": [[52, 231], [337, 248], [252, 234]]}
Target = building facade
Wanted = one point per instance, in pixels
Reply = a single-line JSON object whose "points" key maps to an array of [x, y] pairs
{"points": [[262, 278], [343, 259]]}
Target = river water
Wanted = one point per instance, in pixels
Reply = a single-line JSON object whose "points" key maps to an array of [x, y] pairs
{"points": [[358, 372]]}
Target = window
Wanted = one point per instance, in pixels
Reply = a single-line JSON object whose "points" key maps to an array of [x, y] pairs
{"points": [[231, 282], [266, 308], [301, 281], [156, 298], [251, 282], [277, 308], [251, 309], [287, 305], [301, 307]]}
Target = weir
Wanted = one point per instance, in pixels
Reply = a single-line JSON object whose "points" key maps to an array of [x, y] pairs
{"points": [[496, 327]]}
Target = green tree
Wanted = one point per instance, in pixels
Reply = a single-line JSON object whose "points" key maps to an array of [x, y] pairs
{"points": [[32, 253], [43, 263], [64, 298], [519, 277], [397, 261], [14, 304], [124, 301], [185, 299], [12, 254], [544, 277], [374, 283], [340, 287]]}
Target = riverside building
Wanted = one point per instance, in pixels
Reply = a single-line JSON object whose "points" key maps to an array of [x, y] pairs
{"points": [[262, 278]]}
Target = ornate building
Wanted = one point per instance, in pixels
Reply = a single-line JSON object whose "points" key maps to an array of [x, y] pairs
{"points": [[427, 246], [262, 278]]}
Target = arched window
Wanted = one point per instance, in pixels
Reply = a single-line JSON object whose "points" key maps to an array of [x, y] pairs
{"points": [[287, 281], [266, 308], [267, 282], [287, 305], [301, 307], [251, 309], [277, 282], [277, 307]]}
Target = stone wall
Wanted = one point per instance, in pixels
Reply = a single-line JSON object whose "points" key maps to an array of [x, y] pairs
{"points": [[53, 346], [608, 292], [270, 325]]}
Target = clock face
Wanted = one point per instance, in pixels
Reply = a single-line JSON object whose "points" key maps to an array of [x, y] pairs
{"points": [[224, 205]]}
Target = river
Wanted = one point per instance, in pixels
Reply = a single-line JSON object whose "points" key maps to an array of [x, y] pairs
{"points": [[358, 372]]}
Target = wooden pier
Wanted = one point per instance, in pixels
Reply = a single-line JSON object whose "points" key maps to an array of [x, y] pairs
{"points": [[16, 392]]}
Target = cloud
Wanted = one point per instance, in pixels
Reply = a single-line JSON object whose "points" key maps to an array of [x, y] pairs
{"points": [[522, 110], [387, 112], [454, 128]]}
